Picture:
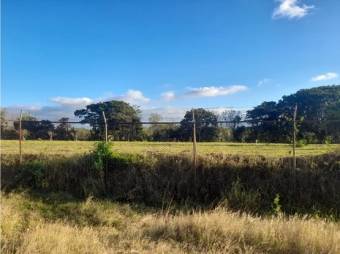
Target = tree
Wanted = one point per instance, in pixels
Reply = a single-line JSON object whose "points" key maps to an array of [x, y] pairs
{"points": [[34, 129], [206, 125], [7, 131], [154, 117], [122, 119], [232, 116], [233, 119], [82, 134], [160, 132], [153, 128], [64, 130], [314, 110], [266, 122], [317, 109], [3, 120]]}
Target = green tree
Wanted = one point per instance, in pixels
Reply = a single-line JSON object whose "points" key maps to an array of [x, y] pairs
{"points": [[82, 134], [64, 130], [7, 131], [267, 123], [160, 132], [34, 129], [233, 117], [206, 125], [317, 116], [123, 120]]}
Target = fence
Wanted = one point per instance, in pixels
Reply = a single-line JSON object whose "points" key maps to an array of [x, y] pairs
{"points": [[193, 130]]}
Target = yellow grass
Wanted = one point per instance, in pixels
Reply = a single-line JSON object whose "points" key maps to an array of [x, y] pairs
{"points": [[33, 225], [79, 147]]}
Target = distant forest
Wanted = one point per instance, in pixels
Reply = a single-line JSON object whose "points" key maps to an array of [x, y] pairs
{"points": [[318, 121]]}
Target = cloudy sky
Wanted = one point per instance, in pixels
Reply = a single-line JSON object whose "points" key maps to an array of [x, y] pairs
{"points": [[165, 56]]}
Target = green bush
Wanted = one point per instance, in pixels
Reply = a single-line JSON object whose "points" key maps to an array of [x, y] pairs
{"points": [[301, 143], [32, 174]]}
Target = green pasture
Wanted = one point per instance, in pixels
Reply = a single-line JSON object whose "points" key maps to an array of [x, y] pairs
{"points": [[79, 147]]}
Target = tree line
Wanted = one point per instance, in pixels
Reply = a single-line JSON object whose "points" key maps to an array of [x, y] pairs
{"points": [[32, 129], [318, 121]]}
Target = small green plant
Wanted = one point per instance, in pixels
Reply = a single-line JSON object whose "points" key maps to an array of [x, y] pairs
{"points": [[32, 174], [276, 205], [240, 198], [102, 153], [328, 140], [301, 143]]}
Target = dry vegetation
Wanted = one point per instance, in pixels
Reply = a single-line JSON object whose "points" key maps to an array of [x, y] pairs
{"points": [[80, 147], [96, 203], [63, 225]]}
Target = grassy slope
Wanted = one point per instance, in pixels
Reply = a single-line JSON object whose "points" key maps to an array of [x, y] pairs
{"points": [[64, 225], [79, 147]]}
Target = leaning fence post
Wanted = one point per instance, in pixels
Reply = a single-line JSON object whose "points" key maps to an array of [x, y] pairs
{"points": [[194, 150], [20, 137], [105, 122], [294, 137]]}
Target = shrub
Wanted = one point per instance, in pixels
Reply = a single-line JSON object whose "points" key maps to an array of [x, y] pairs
{"points": [[301, 143]]}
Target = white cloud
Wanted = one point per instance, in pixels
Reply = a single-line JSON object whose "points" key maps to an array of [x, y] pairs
{"points": [[131, 96], [212, 91], [52, 113], [67, 101], [326, 76], [264, 81], [168, 96], [134, 97], [177, 113], [168, 113], [290, 9]]}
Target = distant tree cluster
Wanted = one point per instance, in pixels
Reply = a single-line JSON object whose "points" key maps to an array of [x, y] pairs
{"points": [[32, 129], [7, 130], [318, 115], [318, 121]]}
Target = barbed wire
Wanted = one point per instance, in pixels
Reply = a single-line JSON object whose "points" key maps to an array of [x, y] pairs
{"points": [[250, 121]]}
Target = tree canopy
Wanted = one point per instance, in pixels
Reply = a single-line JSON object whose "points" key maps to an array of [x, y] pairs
{"points": [[317, 115], [34, 129], [122, 119], [206, 125]]}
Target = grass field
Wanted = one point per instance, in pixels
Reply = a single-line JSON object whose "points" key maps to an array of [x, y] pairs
{"points": [[55, 224], [79, 147], [154, 202]]}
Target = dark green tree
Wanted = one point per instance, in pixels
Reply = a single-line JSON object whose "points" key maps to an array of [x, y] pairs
{"points": [[123, 120], [206, 125], [317, 116], [64, 130], [35, 129], [267, 124]]}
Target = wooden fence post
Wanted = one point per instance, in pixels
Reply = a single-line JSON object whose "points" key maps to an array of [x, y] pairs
{"points": [[194, 149], [105, 122], [294, 137], [20, 137]]}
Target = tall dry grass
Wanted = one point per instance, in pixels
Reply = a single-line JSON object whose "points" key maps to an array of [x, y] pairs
{"points": [[247, 183], [48, 225]]}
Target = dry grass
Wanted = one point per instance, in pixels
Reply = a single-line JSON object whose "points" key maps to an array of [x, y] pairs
{"points": [[80, 147], [247, 183], [49, 225], [223, 231]]}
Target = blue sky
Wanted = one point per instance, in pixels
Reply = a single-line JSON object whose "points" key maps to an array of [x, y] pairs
{"points": [[166, 54]]}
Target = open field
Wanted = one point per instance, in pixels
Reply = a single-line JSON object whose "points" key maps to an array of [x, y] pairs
{"points": [[61, 224], [80, 147], [147, 198]]}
